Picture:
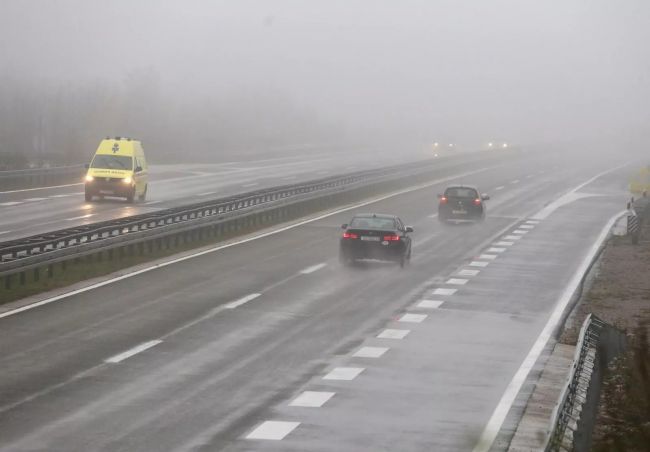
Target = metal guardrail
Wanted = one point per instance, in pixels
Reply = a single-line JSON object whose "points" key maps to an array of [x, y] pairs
{"points": [[564, 419], [40, 177], [43, 247]]}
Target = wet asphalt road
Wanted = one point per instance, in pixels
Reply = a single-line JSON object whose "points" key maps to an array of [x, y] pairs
{"points": [[201, 354]]}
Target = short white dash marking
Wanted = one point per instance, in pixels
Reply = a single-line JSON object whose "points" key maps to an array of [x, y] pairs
{"points": [[530, 176], [241, 301], [430, 304], [134, 351], [390, 333], [468, 272], [61, 196], [312, 399], [252, 184], [370, 352], [527, 226], [10, 203], [4, 232], [34, 199], [433, 215], [207, 193], [457, 281], [516, 181], [504, 243], [501, 187], [489, 257], [495, 250], [313, 268], [413, 318], [519, 231], [533, 222], [344, 373], [273, 430], [152, 202], [83, 217], [444, 291], [479, 264], [512, 237]]}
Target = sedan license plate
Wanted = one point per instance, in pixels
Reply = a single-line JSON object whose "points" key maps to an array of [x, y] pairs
{"points": [[459, 212], [369, 238], [106, 192]]}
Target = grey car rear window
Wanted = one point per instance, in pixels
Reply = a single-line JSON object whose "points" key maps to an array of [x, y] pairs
{"points": [[461, 192], [372, 223]]}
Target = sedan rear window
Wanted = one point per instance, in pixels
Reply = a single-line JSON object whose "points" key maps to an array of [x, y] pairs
{"points": [[461, 192], [373, 223]]}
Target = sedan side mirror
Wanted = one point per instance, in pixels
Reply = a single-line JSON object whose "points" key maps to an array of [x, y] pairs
{"points": [[87, 165], [409, 229], [485, 197], [344, 226], [138, 169]]}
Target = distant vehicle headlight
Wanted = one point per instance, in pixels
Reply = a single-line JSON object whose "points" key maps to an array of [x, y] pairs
{"points": [[89, 178], [127, 180]]}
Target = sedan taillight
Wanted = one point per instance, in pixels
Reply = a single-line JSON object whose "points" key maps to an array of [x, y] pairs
{"points": [[350, 235], [391, 238]]}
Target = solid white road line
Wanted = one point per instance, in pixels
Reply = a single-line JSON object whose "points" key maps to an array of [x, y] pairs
{"points": [[344, 373], [468, 272], [273, 430], [489, 257], [34, 199], [312, 399], [38, 188], [498, 416], [495, 250], [207, 193], [61, 196], [134, 351], [444, 291], [81, 217], [239, 242], [241, 301], [252, 184], [457, 281], [313, 268], [479, 264], [430, 304], [152, 202], [501, 187], [390, 333], [412, 318], [4, 232], [504, 243], [370, 352]]}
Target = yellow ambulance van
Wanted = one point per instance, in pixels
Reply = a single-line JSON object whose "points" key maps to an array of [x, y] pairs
{"points": [[118, 168]]}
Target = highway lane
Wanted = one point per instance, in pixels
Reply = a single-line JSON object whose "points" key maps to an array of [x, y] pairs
{"points": [[34, 211], [221, 370]]}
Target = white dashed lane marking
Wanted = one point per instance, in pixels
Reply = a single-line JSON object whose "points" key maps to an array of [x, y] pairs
{"points": [[313, 268], [10, 203], [532, 221], [413, 318], [370, 352], [390, 333], [344, 373], [4, 232], [250, 185], [520, 232], [207, 193], [312, 399], [443, 291], [527, 226], [34, 199], [430, 304], [504, 243], [273, 430], [489, 257], [512, 237], [83, 217], [479, 264], [241, 301], [468, 272], [457, 281], [516, 181], [134, 351], [500, 188], [496, 250]]}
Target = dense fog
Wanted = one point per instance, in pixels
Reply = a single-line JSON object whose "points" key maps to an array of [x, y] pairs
{"points": [[204, 80]]}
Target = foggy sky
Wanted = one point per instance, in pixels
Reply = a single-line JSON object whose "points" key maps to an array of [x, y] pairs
{"points": [[449, 70]]}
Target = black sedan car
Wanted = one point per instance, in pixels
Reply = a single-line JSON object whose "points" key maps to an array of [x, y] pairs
{"points": [[461, 203], [375, 236]]}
